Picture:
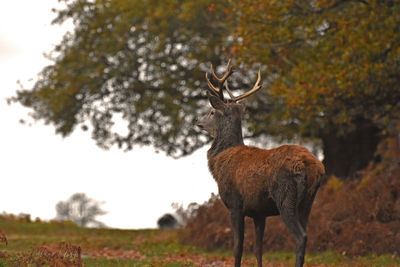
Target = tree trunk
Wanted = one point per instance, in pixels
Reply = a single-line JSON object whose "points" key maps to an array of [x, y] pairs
{"points": [[346, 154]]}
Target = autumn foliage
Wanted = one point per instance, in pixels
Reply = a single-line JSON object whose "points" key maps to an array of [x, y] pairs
{"points": [[58, 254], [354, 217], [3, 237]]}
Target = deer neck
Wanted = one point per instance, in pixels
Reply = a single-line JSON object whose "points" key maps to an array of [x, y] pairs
{"points": [[226, 138]]}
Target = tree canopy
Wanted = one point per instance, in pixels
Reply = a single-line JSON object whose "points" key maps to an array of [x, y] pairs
{"points": [[330, 71], [136, 59], [334, 61], [335, 65]]}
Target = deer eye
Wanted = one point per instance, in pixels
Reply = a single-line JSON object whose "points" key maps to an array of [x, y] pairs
{"points": [[212, 112]]}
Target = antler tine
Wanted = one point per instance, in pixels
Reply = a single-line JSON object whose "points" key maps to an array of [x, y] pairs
{"points": [[229, 91], [255, 88], [228, 72], [215, 90], [221, 80]]}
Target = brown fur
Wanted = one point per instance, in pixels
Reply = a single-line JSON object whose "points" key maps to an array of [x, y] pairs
{"points": [[254, 171]]}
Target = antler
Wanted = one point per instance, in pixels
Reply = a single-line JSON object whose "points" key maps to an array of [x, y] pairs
{"points": [[219, 91], [220, 81], [255, 88]]}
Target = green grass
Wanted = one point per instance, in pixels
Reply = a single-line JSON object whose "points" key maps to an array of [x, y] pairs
{"points": [[145, 248]]}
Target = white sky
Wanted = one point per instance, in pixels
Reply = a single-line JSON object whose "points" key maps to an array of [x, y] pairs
{"points": [[38, 168]]}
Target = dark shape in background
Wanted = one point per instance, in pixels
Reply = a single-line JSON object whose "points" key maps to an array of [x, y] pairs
{"points": [[180, 217], [167, 221]]}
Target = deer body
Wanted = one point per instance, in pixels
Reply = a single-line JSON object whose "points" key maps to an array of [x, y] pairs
{"points": [[258, 182], [253, 175]]}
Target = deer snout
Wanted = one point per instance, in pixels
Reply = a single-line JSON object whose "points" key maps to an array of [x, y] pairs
{"points": [[207, 124], [199, 124]]}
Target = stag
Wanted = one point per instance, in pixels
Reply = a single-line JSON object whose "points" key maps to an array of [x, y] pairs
{"points": [[257, 182]]}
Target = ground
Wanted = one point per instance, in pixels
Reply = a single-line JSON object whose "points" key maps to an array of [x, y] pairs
{"points": [[27, 243]]}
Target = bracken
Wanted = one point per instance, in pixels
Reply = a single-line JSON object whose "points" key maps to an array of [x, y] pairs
{"points": [[359, 217]]}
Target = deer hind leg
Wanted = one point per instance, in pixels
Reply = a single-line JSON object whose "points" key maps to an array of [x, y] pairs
{"points": [[237, 220], [294, 226], [290, 216], [305, 209], [259, 226]]}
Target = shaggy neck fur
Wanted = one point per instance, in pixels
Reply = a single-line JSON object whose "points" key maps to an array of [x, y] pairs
{"points": [[229, 134]]}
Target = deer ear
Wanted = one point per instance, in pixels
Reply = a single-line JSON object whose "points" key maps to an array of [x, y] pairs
{"points": [[242, 104], [216, 102]]}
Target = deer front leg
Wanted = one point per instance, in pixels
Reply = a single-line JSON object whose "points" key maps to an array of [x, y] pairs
{"points": [[237, 220], [259, 226]]}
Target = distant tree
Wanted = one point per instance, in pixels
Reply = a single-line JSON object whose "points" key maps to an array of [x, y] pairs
{"points": [[81, 210]]}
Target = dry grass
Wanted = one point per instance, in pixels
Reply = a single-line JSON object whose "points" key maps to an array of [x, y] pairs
{"points": [[54, 255], [3, 238]]}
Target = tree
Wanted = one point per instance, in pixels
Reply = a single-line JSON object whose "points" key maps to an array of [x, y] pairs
{"points": [[330, 66], [334, 68], [81, 210], [143, 61]]}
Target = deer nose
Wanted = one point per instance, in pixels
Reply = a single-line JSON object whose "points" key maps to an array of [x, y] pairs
{"points": [[198, 123]]}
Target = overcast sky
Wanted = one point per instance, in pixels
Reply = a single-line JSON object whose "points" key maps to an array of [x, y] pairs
{"points": [[38, 168]]}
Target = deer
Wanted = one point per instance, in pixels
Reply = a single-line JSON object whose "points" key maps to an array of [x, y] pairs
{"points": [[256, 182]]}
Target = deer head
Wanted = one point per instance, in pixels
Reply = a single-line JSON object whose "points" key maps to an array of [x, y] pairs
{"points": [[225, 115]]}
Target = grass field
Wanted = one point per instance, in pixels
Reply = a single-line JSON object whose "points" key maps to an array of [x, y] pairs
{"points": [[65, 244]]}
